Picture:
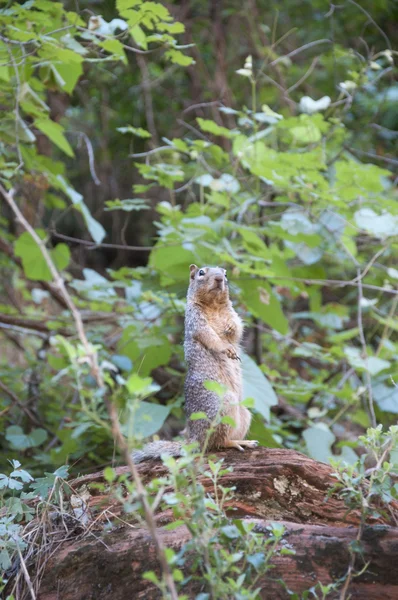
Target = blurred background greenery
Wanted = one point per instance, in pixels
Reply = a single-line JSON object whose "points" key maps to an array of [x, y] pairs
{"points": [[139, 147]]}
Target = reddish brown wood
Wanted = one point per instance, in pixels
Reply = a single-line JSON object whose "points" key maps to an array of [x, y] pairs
{"points": [[271, 485]]}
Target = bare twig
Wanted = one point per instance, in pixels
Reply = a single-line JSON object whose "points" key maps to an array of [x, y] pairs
{"points": [[20, 404], [18, 321], [365, 352], [26, 574], [298, 50], [150, 119], [94, 245], [371, 19], [59, 284], [142, 494], [305, 76], [92, 357]]}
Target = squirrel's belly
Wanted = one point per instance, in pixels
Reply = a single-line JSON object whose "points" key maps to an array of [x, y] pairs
{"points": [[207, 365]]}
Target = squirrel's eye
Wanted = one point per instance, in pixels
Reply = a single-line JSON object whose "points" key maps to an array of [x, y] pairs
{"points": [[201, 273]]}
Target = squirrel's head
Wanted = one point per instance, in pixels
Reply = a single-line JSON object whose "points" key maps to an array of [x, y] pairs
{"points": [[208, 284]]}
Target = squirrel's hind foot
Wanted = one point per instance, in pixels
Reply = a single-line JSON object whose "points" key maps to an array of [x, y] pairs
{"points": [[239, 443]]}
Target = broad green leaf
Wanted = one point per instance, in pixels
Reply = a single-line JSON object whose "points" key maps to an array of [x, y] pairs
{"points": [[139, 36], [42, 485], [55, 132], [260, 432], [171, 262], [33, 262], [70, 74], [177, 57], [155, 354], [21, 441], [4, 74], [386, 397], [136, 384], [381, 226], [145, 420], [212, 127], [257, 386], [123, 5], [373, 364], [254, 244], [115, 48], [319, 440], [262, 303]]}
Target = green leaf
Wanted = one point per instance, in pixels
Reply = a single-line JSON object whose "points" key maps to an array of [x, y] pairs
{"points": [[4, 74], [254, 244], [70, 74], [386, 397], [42, 485], [257, 386], [21, 441], [262, 303], [95, 228], [33, 262], [257, 560], [138, 131], [150, 353], [373, 364], [230, 531], [381, 226], [115, 48], [177, 57], [197, 416], [54, 131], [171, 262], [127, 205], [212, 127], [145, 420], [258, 431], [319, 440]]}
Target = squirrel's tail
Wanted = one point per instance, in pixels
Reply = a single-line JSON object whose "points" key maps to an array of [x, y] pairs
{"points": [[156, 449]]}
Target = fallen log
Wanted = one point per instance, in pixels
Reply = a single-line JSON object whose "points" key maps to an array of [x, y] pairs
{"points": [[271, 485]]}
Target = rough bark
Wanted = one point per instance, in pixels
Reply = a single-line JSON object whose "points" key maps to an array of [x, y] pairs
{"points": [[271, 485]]}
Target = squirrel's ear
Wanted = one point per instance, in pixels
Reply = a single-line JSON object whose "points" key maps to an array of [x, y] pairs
{"points": [[192, 270]]}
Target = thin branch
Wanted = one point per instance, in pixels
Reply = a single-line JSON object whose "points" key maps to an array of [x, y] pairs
{"points": [[40, 326], [26, 574], [17, 115], [365, 352], [16, 400], [298, 50], [202, 105], [305, 76], [59, 283], [386, 159], [371, 19], [94, 245], [92, 357], [150, 119], [142, 494]]}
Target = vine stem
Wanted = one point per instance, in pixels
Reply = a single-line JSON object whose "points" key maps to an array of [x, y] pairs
{"points": [[93, 361]]}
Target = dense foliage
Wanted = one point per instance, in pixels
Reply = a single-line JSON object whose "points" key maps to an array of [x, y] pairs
{"points": [[136, 142]]}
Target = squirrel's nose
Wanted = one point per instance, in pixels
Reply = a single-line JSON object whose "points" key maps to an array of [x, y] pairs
{"points": [[219, 278]]}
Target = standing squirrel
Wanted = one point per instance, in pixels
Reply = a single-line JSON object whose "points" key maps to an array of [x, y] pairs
{"points": [[213, 331]]}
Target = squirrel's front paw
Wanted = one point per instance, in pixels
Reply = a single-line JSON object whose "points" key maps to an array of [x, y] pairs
{"points": [[229, 329], [231, 353]]}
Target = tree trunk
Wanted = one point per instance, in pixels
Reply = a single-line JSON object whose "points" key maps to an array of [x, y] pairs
{"points": [[271, 485]]}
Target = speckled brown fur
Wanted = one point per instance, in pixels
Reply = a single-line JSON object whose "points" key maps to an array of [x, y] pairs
{"points": [[213, 331]]}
